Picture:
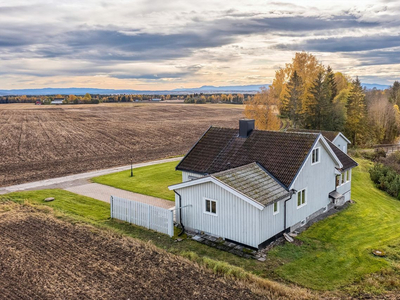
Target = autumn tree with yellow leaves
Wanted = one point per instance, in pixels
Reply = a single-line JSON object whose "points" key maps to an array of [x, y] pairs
{"points": [[263, 109]]}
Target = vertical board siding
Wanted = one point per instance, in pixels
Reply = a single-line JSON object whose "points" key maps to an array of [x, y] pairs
{"points": [[185, 176], [142, 214], [272, 224], [236, 219], [319, 181], [340, 142]]}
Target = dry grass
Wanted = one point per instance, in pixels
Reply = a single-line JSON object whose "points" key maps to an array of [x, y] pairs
{"points": [[39, 142]]}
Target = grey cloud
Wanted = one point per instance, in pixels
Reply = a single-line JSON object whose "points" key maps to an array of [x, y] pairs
{"points": [[344, 44], [377, 57]]}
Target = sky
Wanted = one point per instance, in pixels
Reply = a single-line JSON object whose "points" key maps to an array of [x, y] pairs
{"points": [[164, 44]]}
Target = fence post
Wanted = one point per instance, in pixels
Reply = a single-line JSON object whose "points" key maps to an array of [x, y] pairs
{"points": [[171, 223], [111, 206], [148, 216]]}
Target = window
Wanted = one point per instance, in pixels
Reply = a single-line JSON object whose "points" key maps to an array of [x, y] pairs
{"points": [[211, 207], [301, 198], [348, 175], [338, 180], [276, 208], [343, 178], [315, 156]]}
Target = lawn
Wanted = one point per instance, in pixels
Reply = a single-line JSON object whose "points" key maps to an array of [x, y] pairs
{"points": [[337, 250], [151, 180], [335, 254]]}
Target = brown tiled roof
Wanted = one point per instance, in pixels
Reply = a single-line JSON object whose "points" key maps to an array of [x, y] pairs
{"points": [[254, 182], [280, 153], [346, 160], [330, 135]]}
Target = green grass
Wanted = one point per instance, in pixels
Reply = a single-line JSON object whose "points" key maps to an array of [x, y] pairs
{"points": [[335, 254], [151, 180], [89, 210], [337, 250], [80, 206]]}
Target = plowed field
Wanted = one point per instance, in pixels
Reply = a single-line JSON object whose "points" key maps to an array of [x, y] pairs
{"points": [[45, 142], [46, 258]]}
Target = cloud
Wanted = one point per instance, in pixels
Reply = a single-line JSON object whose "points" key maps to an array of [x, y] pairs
{"points": [[344, 44], [179, 40]]}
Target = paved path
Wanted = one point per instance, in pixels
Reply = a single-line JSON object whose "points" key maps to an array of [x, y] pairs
{"points": [[103, 192], [77, 179]]}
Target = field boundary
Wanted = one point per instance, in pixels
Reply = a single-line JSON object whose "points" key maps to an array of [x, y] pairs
{"points": [[143, 214], [87, 175]]}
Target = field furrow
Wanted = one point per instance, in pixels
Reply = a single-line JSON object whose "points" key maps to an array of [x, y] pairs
{"points": [[44, 142]]}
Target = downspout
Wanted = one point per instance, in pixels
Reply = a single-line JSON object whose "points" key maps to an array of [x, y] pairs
{"points": [[284, 216], [180, 213]]}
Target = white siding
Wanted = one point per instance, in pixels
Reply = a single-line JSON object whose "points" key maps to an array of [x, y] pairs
{"points": [[341, 143], [272, 224], [318, 180], [345, 189], [236, 219], [185, 176]]}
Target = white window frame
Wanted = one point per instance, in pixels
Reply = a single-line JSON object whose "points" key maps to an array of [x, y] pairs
{"points": [[319, 155], [340, 180], [305, 198], [205, 199], [348, 178], [277, 208]]}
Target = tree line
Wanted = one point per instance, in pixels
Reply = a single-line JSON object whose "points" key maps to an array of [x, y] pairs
{"points": [[306, 94]]}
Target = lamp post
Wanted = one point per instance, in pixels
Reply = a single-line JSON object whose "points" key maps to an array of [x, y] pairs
{"points": [[131, 167]]}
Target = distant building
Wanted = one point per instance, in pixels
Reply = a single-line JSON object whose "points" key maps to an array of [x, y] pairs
{"points": [[57, 101], [156, 99]]}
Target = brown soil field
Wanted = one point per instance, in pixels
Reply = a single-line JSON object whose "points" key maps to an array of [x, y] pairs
{"points": [[47, 258], [40, 142]]}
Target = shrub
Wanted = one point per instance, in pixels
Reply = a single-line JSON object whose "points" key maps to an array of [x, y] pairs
{"points": [[386, 179]]}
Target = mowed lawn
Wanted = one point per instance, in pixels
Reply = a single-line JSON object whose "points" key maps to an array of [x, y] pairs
{"points": [[337, 251], [150, 180]]}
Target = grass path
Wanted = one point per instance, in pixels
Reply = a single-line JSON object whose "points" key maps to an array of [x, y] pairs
{"points": [[337, 251]]}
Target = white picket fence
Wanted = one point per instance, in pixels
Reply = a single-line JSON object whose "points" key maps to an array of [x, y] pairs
{"points": [[142, 214]]}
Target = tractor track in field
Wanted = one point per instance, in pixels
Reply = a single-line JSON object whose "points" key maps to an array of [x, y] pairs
{"points": [[47, 258], [47, 142]]}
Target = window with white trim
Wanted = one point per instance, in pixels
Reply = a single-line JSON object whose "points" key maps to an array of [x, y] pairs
{"points": [[348, 175], [315, 156], [338, 179], [211, 206], [344, 178], [301, 198], [276, 208]]}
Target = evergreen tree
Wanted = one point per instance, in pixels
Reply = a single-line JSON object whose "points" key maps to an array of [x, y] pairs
{"points": [[291, 107], [394, 93], [356, 113], [318, 91]]}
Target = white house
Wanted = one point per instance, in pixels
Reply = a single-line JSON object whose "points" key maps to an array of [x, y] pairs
{"points": [[250, 186], [336, 137]]}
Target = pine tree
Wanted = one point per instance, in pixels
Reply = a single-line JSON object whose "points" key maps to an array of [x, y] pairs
{"points": [[292, 105], [318, 91], [394, 93], [356, 112]]}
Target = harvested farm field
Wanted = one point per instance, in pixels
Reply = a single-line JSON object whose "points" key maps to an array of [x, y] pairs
{"points": [[41, 142], [47, 258]]}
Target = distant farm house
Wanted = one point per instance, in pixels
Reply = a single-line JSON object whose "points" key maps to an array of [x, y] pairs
{"points": [[251, 186], [156, 99], [57, 101]]}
